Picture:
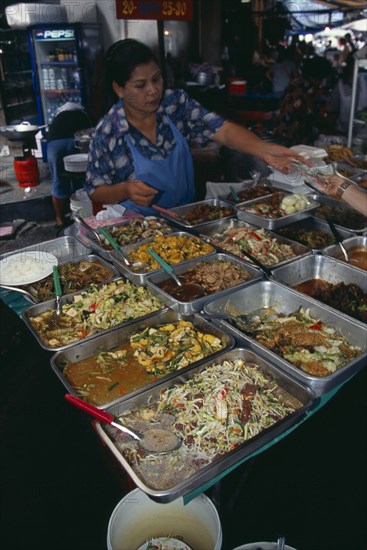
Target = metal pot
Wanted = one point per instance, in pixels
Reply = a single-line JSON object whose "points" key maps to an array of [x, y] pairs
{"points": [[20, 132], [204, 78]]}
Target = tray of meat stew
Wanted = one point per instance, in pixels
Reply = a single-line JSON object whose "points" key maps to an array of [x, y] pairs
{"points": [[175, 248], [309, 340], [224, 410], [196, 214], [340, 213], [277, 209], [311, 232], [231, 236], [90, 312], [121, 363], [334, 283]]}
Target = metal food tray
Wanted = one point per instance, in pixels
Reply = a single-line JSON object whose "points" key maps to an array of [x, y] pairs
{"points": [[140, 277], [187, 308], [213, 230], [271, 294], [66, 299], [274, 223], [244, 185], [181, 211], [65, 249], [349, 171], [113, 339], [223, 463], [353, 242], [104, 252], [312, 223], [321, 267], [342, 207], [88, 258]]}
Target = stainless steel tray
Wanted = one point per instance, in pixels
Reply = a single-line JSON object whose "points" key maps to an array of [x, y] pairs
{"points": [[139, 276], [105, 252], [246, 184], [271, 294], [215, 230], [349, 244], [321, 267], [185, 307], [113, 339], [341, 214], [37, 309], [89, 258], [66, 249], [228, 461], [181, 211], [273, 223], [310, 224]]}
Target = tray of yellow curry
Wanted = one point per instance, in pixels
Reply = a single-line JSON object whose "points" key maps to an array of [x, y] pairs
{"points": [[176, 248], [120, 363]]}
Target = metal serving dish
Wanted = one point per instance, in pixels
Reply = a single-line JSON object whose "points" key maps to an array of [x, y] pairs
{"points": [[88, 258], [349, 171], [340, 213], [265, 294], [114, 339], [223, 464], [186, 307], [38, 309], [107, 253], [273, 223], [215, 231], [324, 268], [65, 249], [139, 276], [309, 224], [349, 244], [182, 211], [245, 185]]}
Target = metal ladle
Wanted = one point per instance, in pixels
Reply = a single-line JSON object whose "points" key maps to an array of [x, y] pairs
{"points": [[338, 238], [188, 290], [156, 441]]}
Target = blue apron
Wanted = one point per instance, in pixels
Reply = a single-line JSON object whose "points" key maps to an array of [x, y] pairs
{"points": [[173, 176]]}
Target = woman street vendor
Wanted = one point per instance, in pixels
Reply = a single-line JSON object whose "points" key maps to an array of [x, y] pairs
{"points": [[139, 154]]}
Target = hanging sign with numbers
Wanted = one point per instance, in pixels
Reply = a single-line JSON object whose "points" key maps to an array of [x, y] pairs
{"points": [[173, 10]]}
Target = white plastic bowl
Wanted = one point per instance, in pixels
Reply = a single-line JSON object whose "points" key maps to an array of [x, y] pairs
{"points": [[262, 545], [76, 163], [137, 518]]}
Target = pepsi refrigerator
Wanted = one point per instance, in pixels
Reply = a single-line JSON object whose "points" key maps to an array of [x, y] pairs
{"points": [[66, 61]]}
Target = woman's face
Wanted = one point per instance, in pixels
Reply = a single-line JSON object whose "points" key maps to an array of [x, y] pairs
{"points": [[143, 91]]}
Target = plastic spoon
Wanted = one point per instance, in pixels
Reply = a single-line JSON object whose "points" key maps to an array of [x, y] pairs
{"points": [[57, 286], [114, 245], [170, 214], [235, 194], [188, 290], [155, 441]]}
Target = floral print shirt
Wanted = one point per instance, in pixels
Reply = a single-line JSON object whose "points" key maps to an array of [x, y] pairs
{"points": [[110, 159]]}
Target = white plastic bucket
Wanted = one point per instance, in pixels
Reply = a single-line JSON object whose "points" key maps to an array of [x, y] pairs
{"points": [[81, 204], [137, 518]]}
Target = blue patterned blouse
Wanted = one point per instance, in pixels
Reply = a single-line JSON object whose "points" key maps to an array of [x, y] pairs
{"points": [[110, 158]]}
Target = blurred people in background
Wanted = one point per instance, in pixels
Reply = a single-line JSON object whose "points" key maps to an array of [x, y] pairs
{"points": [[300, 117], [70, 118], [282, 71]]}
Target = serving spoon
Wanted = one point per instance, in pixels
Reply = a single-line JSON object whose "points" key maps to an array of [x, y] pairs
{"points": [[57, 286], [189, 290], [114, 245], [156, 441], [338, 238], [90, 229]]}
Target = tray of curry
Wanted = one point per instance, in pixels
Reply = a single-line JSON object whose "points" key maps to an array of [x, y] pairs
{"points": [[118, 364], [223, 409], [314, 343]]}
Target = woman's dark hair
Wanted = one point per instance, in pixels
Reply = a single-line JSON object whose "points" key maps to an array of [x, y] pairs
{"points": [[123, 57]]}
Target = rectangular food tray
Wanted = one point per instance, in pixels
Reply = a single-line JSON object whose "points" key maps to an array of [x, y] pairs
{"points": [[265, 294], [214, 230], [348, 213], [269, 223], [113, 339], [38, 309], [140, 275], [228, 461], [186, 307], [66, 249], [321, 267], [181, 211]]}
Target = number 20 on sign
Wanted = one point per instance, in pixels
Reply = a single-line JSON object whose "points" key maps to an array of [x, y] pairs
{"points": [[181, 10]]}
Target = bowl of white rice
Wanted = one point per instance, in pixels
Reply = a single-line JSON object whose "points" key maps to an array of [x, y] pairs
{"points": [[26, 267]]}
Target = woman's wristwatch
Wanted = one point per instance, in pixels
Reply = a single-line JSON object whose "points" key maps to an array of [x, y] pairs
{"points": [[342, 188]]}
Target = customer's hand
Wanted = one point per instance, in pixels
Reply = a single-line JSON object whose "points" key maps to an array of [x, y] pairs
{"points": [[140, 193], [329, 184]]}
